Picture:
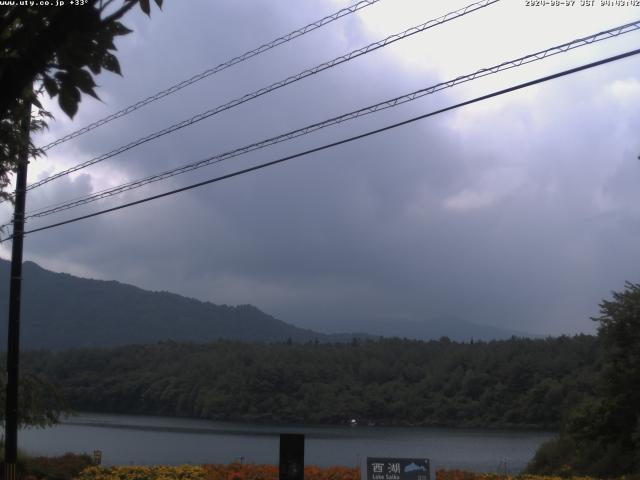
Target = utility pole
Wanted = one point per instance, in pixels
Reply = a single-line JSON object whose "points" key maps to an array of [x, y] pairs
{"points": [[15, 288]]}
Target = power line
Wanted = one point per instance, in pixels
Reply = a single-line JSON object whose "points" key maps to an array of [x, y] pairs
{"points": [[343, 141], [218, 68], [282, 83], [613, 32]]}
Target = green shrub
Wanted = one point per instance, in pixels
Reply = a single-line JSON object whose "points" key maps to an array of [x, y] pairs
{"points": [[65, 467]]}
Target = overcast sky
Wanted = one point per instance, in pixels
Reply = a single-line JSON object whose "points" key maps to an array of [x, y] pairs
{"points": [[522, 211]]}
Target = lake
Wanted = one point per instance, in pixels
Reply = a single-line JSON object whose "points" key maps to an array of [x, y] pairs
{"points": [[126, 439]]}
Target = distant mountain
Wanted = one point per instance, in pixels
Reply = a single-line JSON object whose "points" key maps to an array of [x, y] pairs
{"points": [[63, 311], [433, 328]]}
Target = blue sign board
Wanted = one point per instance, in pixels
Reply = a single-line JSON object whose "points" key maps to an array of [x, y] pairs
{"points": [[397, 468]]}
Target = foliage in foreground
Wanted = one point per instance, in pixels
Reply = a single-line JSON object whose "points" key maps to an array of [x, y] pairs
{"points": [[39, 402], [60, 53], [602, 436], [64, 467]]}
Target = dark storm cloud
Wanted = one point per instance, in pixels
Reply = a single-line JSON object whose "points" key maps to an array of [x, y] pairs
{"points": [[521, 213]]}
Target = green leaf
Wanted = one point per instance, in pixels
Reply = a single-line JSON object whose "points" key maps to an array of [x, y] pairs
{"points": [[108, 44], [104, 40], [119, 29], [146, 8], [68, 101], [84, 81], [110, 62], [94, 64], [35, 101], [62, 76], [50, 85]]}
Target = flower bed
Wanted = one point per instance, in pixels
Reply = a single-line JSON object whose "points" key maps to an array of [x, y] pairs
{"points": [[184, 472], [463, 475], [233, 471]]}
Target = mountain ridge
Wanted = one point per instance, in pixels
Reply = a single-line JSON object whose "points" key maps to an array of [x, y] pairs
{"points": [[60, 311]]}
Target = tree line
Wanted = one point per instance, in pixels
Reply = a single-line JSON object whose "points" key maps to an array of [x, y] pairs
{"points": [[517, 383]]}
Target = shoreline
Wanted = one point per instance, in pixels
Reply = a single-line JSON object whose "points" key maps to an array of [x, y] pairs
{"points": [[511, 428]]}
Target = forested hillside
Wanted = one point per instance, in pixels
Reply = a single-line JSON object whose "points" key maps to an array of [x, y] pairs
{"points": [[520, 383], [62, 311]]}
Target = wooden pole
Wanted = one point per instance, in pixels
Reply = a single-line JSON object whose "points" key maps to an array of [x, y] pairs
{"points": [[15, 290]]}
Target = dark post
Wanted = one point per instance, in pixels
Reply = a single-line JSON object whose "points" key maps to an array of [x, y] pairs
{"points": [[291, 457], [13, 344]]}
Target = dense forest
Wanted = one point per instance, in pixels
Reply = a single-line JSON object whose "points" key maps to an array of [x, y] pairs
{"points": [[601, 436], [517, 383]]}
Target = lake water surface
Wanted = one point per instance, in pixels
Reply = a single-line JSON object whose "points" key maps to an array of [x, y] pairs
{"points": [[125, 439]]}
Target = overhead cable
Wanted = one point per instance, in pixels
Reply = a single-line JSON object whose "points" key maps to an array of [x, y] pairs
{"points": [[211, 71], [282, 83], [341, 142], [613, 32]]}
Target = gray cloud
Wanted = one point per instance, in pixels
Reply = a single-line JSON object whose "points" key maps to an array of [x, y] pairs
{"points": [[520, 213]]}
